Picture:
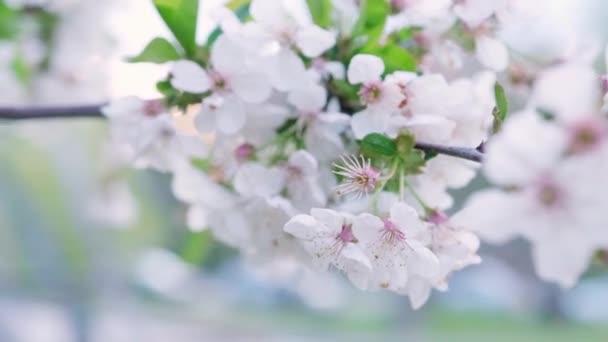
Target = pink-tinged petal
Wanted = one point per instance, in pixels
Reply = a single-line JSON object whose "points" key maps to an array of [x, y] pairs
{"points": [[192, 146], [302, 226], [364, 69], [251, 87], [492, 53], [255, 180], [313, 40], [192, 186], [190, 77], [495, 215], [329, 218], [268, 12], [418, 291], [309, 99], [407, 219], [227, 56], [325, 144], [367, 228], [562, 262], [335, 122], [526, 147], [356, 265], [205, 119], [304, 162], [288, 71], [367, 121], [422, 261], [569, 91], [231, 116]]}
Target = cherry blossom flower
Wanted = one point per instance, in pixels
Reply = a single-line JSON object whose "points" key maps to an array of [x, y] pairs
{"points": [[328, 237], [322, 129], [148, 135], [286, 25], [232, 83], [396, 248], [454, 248], [553, 202], [380, 97], [302, 181]]}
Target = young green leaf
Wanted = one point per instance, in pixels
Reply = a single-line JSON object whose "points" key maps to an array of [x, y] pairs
{"points": [[502, 107], [413, 162], [320, 11], [406, 33], [181, 17], [395, 57], [236, 4], [159, 50], [9, 22], [21, 70], [379, 144], [372, 20]]}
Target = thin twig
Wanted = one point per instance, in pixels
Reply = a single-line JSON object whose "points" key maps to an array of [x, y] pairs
{"points": [[459, 152], [85, 111], [94, 111]]}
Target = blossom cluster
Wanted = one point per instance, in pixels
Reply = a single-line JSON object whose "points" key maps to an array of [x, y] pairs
{"points": [[305, 142], [549, 165]]}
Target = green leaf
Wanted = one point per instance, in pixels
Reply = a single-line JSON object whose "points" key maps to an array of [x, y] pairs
{"points": [[372, 20], [236, 4], [321, 12], [159, 50], [181, 18], [196, 247], [201, 164], [502, 107], [9, 22], [428, 155], [405, 143], [379, 144], [395, 58], [21, 70], [406, 33], [413, 162]]}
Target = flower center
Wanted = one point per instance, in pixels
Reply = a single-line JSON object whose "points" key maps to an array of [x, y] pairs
{"points": [[346, 234], [437, 217], [587, 135], [549, 195], [219, 82], [153, 108], [604, 82], [244, 151], [392, 233], [359, 176], [371, 92]]}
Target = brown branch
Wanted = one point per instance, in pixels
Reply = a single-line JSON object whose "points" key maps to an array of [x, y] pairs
{"points": [[458, 152], [94, 111], [39, 112]]}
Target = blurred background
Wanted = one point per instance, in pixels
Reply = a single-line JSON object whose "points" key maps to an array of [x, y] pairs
{"points": [[93, 251]]}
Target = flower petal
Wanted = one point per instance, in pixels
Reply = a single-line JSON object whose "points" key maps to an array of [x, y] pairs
{"points": [[492, 53], [190, 77], [231, 116], [302, 226], [308, 100], [365, 68], [313, 40]]}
